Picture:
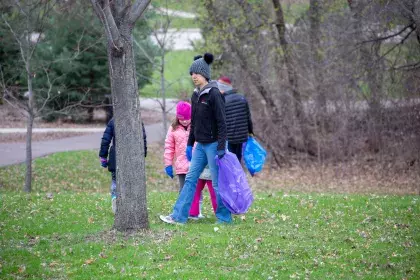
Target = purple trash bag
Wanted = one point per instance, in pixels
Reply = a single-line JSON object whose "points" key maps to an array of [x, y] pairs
{"points": [[233, 186]]}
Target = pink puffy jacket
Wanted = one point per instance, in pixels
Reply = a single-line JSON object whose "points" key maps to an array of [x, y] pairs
{"points": [[175, 146]]}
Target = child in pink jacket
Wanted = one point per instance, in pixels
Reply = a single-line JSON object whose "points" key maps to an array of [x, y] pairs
{"points": [[174, 154]]}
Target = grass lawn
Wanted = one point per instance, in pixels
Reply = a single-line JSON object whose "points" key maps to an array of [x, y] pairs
{"points": [[176, 74], [176, 22], [177, 5], [63, 231]]}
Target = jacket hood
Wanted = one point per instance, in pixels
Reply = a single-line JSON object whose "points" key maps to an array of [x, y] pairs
{"points": [[230, 91], [206, 88]]}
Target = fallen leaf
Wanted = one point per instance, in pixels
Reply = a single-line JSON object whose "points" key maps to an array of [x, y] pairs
{"points": [[89, 261], [91, 220], [22, 269]]}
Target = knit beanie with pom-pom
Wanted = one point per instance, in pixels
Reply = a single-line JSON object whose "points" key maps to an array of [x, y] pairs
{"points": [[201, 65]]}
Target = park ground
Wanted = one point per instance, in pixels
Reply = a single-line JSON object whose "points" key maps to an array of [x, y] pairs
{"points": [[301, 226]]}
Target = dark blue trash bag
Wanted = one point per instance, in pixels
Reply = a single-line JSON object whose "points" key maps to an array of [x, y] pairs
{"points": [[233, 186], [254, 156]]}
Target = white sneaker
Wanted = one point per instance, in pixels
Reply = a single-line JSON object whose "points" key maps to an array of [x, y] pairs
{"points": [[114, 204], [196, 218], [169, 220]]}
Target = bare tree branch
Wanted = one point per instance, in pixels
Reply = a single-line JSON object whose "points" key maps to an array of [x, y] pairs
{"points": [[105, 14], [137, 10], [16, 38], [48, 92], [397, 45], [390, 36], [149, 58]]}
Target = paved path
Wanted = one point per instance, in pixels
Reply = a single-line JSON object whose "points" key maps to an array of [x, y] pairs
{"points": [[56, 129], [14, 153], [179, 39]]}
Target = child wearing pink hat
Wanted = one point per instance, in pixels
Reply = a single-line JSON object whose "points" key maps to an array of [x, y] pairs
{"points": [[174, 154]]}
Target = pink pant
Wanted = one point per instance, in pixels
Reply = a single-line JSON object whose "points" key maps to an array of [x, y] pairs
{"points": [[195, 206]]}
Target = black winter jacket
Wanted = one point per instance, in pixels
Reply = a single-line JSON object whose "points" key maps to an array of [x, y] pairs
{"points": [[238, 117], [106, 142], [208, 120]]}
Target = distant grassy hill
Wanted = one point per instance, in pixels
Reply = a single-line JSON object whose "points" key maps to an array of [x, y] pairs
{"points": [[177, 76], [178, 62]]}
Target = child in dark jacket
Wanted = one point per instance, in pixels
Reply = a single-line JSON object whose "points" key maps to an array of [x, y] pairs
{"points": [[108, 159]]}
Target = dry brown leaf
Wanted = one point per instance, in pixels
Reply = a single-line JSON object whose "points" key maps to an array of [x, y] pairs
{"points": [[22, 269], [89, 261]]}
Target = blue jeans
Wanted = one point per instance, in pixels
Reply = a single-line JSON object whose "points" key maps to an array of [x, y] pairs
{"points": [[203, 154], [113, 185]]}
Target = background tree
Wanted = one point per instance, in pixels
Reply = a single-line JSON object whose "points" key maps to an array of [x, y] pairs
{"points": [[336, 82], [119, 19], [76, 58], [26, 22], [160, 31]]}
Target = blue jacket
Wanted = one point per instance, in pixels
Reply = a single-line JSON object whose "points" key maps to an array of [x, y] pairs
{"points": [[106, 142]]}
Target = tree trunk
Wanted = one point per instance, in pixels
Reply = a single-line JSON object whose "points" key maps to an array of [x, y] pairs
{"points": [[163, 91], [416, 19], [119, 18], [371, 76], [315, 8], [28, 161], [293, 79], [131, 179], [30, 112], [90, 113]]}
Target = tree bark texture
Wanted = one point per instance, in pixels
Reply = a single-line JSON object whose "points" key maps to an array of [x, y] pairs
{"points": [[315, 13], [119, 18], [308, 142], [370, 75], [163, 90], [28, 160], [131, 178], [30, 108]]}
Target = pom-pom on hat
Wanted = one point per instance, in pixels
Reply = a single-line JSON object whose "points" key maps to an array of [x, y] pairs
{"points": [[183, 110], [201, 65]]}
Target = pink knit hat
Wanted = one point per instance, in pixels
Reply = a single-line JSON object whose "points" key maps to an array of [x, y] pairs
{"points": [[183, 110]]}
